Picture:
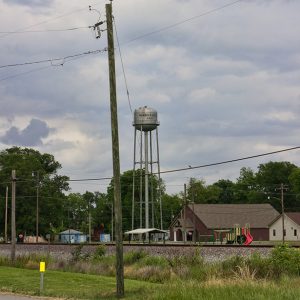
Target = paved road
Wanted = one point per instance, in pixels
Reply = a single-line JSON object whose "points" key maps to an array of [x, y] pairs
{"points": [[18, 297]]}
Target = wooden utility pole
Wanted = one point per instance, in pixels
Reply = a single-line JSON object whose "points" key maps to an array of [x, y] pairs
{"points": [[13, 215], [282, 188], [37, 208], [5, 225], [115, 153], [90, 223], [184, 214]]}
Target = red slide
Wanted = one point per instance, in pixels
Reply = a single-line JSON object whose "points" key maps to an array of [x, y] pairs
{"points": [[249, 239]]}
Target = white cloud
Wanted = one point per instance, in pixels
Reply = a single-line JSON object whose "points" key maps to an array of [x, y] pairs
{"points": [[225, 84]]}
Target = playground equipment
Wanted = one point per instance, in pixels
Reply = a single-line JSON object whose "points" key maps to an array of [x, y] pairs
{"points": [[236, 235]]}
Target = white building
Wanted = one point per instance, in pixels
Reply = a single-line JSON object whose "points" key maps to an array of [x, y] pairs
{"points": [[291, 227]]}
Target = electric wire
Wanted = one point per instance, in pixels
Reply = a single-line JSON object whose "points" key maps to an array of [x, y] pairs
{"points": [[165, 28], [63, 59], [46, 30], [24, 73], [137, 38], [51, 19], [230, 161], [196, 167], [122, 64]]}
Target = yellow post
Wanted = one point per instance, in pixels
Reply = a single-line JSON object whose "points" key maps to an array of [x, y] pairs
{"points": [[42, 271]]}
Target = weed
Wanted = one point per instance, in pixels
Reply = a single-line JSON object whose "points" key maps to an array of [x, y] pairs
{"points": [[132, 257]]}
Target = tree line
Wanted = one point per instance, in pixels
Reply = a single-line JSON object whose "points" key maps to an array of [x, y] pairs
{"points": [[60, 209]]}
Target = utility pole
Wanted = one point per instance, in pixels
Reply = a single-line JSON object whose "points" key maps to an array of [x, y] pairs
{"points": [[13, 215], [37, 207], [5, 225], [90, 223], [194, 225], [184, 214], [115, 153], [282, 188]]}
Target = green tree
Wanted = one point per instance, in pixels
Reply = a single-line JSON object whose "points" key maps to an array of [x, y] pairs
{"points": [[269, 177], [198, 192], [226, 191], [126, 197], [33, 170]]}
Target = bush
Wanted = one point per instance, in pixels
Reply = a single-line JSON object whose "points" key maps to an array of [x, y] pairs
{"points": [[99, 253], [148, 260], [259, 265], [285, 261], [132, 257]]}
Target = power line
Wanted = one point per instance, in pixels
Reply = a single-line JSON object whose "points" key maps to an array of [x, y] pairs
{"points": [[229, 161], [201, 166], [24, 73], [182, 22], [51, 19], [137, 38], [46, 30], [123, 69], [63, 59]]}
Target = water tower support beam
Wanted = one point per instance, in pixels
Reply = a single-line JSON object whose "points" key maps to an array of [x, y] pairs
{"points": [[151, 181], [133, 181], [146, 182], [141, 179], [159, 187]]}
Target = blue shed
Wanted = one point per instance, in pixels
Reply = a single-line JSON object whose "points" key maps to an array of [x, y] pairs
{"points": [[72, 236]]}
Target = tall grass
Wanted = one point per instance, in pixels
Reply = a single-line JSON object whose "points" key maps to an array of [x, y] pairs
{"points": [[283, 262]]}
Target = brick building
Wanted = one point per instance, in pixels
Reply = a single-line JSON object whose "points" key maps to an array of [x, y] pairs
{"points": [[199, 221]]}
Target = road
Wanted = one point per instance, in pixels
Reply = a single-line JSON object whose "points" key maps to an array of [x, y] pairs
{"points": [[19, 297]]}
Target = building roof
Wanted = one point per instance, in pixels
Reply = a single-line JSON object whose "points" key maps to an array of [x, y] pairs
{"points": [[70, 231], [295, 216], [216, 216], [145, 230]]}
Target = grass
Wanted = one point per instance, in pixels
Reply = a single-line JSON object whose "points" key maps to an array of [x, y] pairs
{"points": [[154, 277], [230, 290], [91, 287], [67, 285]]}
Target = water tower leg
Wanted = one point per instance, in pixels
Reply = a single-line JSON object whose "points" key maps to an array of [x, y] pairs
{"points": [[133, 181], [146, 182], [151, 181], [141, 180], [159, 187]]}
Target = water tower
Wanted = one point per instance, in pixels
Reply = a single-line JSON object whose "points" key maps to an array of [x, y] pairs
{"points": [[145, 122]]}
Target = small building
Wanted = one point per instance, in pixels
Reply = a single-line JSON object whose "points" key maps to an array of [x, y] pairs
{"points": [[72, 236], [291, 227], [199, 222]]}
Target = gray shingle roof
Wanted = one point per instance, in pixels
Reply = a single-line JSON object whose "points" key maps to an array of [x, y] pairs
{"points": [[295, 216], [226, 215]]}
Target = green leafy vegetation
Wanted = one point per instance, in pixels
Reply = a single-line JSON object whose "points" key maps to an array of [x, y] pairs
{"points": [[183, 276], [59, 211]]}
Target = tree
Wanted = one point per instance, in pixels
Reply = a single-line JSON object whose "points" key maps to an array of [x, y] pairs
{"points": [[226, 191], [28, 163], [126, 197], [198, 192], [269, 177]]}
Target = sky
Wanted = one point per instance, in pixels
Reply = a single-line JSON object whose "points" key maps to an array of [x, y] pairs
{"points": [[223, 76]]}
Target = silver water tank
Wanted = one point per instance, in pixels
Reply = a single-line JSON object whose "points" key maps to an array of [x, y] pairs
{"points": [[145, 119]]}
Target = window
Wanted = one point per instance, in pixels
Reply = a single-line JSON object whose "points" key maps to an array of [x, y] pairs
{"points": [[274, 232], [295, 232]]}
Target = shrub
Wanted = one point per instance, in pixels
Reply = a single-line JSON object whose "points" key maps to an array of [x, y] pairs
{"points": [[100, 252], [132, 257], [150, 273], [150, 260], [260, 265], [231, 265], [285, 261]]}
